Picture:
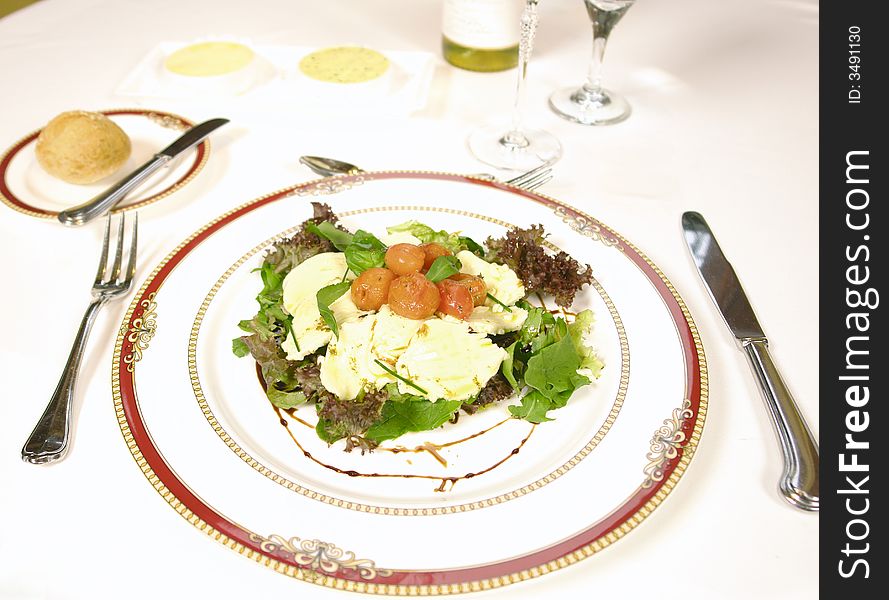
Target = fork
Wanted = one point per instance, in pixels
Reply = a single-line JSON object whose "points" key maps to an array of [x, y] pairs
{"points": [[328, 167], [49, 440], [533, 179]]}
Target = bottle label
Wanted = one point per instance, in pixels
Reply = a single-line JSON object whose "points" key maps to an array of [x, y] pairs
{"points": [[486, 24]]}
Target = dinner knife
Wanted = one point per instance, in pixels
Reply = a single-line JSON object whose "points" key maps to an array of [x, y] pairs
{"points": [[799, 482], [99, 205]]}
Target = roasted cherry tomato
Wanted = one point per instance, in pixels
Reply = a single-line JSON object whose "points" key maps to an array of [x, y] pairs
{"points": [[455, 299], [433, 251], [413, 296], [370, 290], [475, 285], [404, 259]]}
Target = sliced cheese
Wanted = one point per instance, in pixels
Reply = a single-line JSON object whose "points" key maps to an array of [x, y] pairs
{"points": [[448, 361], [300, 289], [484, 319]]}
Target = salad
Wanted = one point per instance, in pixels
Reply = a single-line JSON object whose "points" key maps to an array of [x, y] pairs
{"points": [[401, 332]]}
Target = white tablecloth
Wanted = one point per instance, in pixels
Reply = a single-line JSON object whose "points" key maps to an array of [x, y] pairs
{"points": [[725, 122]]}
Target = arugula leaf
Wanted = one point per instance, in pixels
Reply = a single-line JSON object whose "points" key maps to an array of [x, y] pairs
{"points": [[452, 241], [240, 347], [364, 251], [443, 267], [533, 408], [551, 373], [554, 369], [400, 417], [327, 296], [507, 367], [340, 239], [329, 431]]}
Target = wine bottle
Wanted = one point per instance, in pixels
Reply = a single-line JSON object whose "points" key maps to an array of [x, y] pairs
{"points": [[481, 35]]}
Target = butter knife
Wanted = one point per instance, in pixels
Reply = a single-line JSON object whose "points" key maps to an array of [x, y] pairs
{"points": [[799, 482], [99, 205]]}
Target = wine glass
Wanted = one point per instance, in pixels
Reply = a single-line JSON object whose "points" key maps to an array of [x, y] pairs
{"points": [[512, 146], [591, 104]]}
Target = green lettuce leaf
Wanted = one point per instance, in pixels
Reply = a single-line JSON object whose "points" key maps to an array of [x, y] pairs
{"points": [[285, 399], [340, 239], [588, 359], [240, 347], [452, 241]]}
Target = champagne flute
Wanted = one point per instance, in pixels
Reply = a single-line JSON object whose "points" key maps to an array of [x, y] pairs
{"points": [[514, 147], [591, 104]]}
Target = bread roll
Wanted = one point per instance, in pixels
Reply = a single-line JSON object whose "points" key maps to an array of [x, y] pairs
{"points": [[82, 147]]}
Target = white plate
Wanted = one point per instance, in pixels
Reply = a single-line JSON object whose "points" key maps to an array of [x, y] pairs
{"points": [[26, 187], [198, 423]]}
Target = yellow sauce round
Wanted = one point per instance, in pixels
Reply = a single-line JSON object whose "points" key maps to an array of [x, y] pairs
{"points": [[345, 64], [207, 59]]}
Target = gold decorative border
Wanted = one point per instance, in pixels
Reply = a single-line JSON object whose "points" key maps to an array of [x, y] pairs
{"points": [[431, 589], [164, 120], [392, 510], [141, 332], [586, 227], [319, 556], [665, 444]]}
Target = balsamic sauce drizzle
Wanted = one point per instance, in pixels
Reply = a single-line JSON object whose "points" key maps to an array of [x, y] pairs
{"points": [[425, 447]]}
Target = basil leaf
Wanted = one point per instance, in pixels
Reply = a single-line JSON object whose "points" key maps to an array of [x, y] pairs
{"points": [[472, 246], [327, 296], [339, 238], [415, 415], [364, 252], [443, 267]]}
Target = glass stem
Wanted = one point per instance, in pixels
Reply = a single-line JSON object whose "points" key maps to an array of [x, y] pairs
{"points": [[593, 85], [515, 138], [603, 20]]}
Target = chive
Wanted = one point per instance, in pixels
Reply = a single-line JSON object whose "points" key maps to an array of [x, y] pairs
{"points": [[397, 376], [288, 327], [491, 296]]}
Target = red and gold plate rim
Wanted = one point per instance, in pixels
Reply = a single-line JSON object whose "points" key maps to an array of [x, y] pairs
{"points": [[568, 551]]}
